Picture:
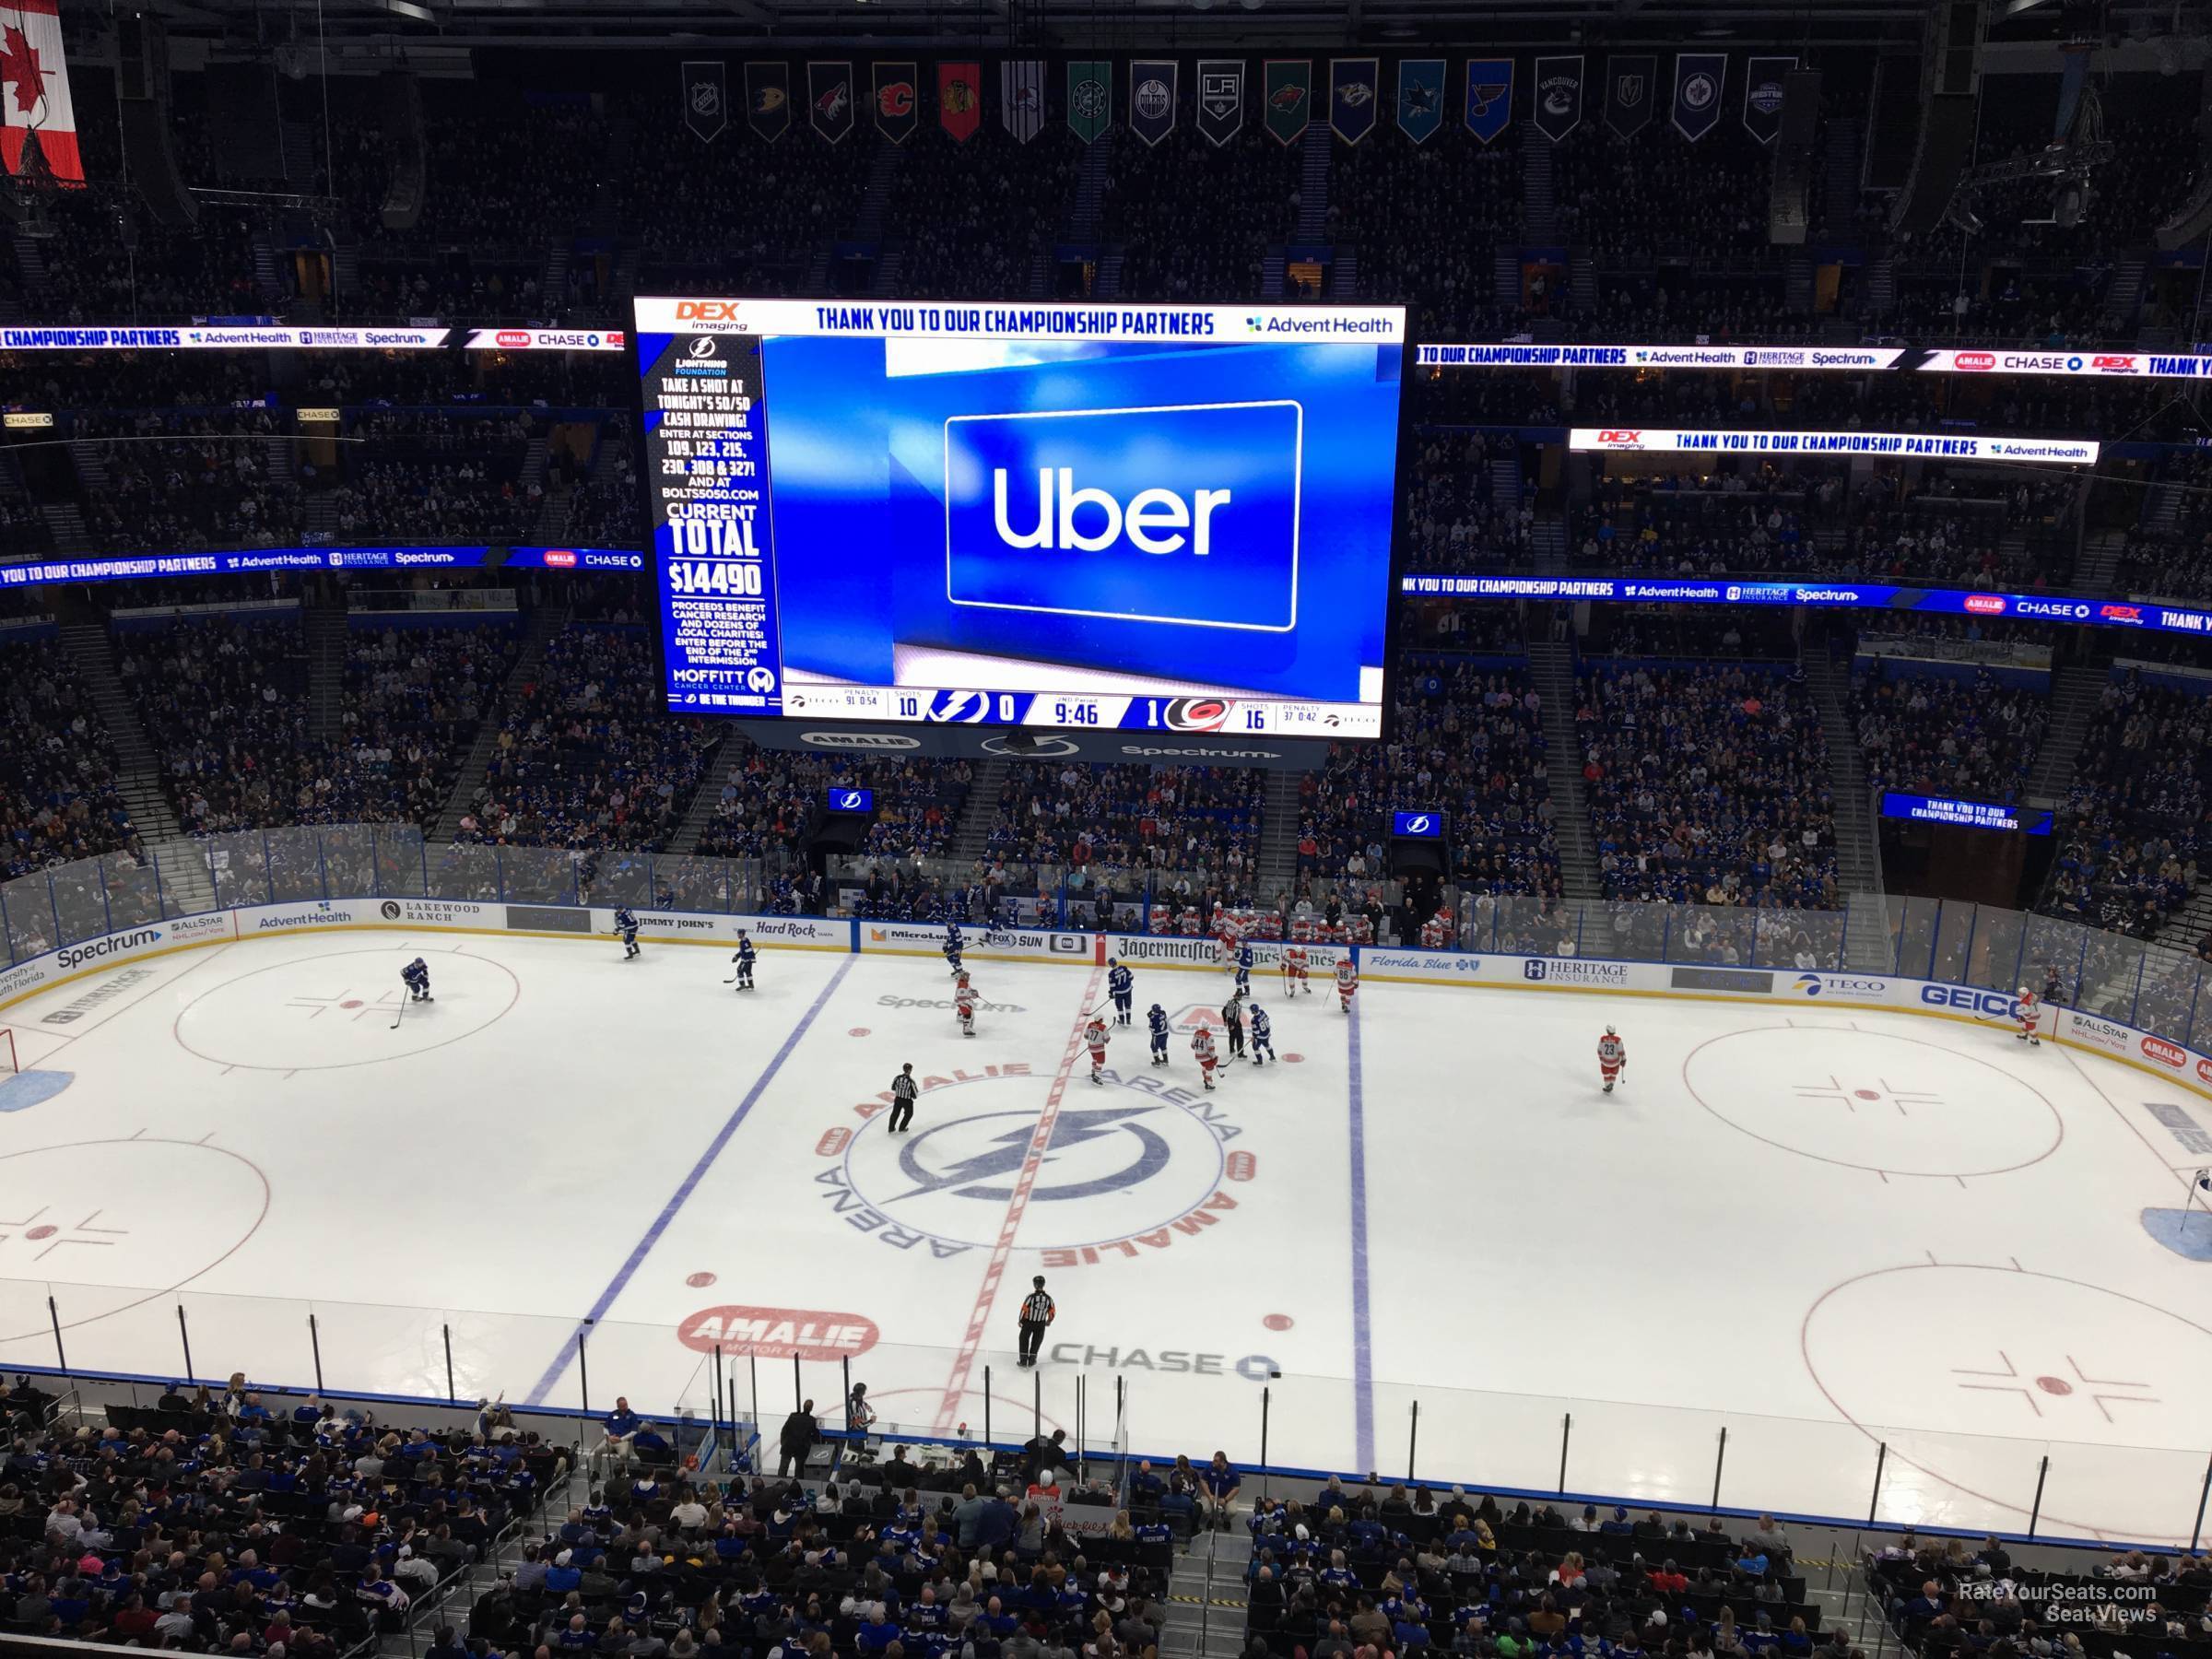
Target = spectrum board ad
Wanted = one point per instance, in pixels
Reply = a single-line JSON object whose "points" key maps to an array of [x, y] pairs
{"points": [[1070, 516]]}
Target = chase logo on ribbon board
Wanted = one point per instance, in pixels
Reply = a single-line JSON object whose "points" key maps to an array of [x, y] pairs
{"points": [[1489, 96], [1152, 86], [706, 99], [1353, 83], [1290, 98], [1630, 93], [1559, 96], [768, 100], [830, 99], [1220, 98], [1697, 77], [1421, 97]]}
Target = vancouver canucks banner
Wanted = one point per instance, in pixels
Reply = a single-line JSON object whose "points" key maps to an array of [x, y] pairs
{"points": [[1353, 84], [1090, 96], [1021, 97], [768, 100], [1421, 97], [830, 99], [1152, 98], [1220, 98], [1489, 96], [706, 99], [1762, 96], [1559, 96], [960, 100], [897, 105], [1631, 92], [1289, 87], [1697, 77]]}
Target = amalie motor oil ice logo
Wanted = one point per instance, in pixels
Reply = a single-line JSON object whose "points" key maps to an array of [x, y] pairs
{"points": [[777, 1332], [1976, 361], [2164, 1052]]}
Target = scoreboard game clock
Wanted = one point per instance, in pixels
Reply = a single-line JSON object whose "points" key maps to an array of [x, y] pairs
{"points": [[1035, 516]]}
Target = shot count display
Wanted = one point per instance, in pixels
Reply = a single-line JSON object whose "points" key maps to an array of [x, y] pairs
{"points": [[1026, 515]]}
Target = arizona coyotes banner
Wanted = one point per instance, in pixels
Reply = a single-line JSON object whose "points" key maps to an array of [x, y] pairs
{"points": [[768, 100], [1090, 96], [830, 99], [1220, 98], [1762, 96], [1697, 79], [1290, 91], [38, 122], [960, 100], [1152, 85], [1631, 92], [1489, 96], [1352, 86], [1559, 96], [897, 104], [1421, 97], [706, 98], [1021, 97]]}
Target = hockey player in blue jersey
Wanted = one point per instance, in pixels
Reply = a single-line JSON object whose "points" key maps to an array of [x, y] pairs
{"points": [[744, 959], [953, 947], [627, 925], [1263, 1037], [1122, 984], [416, 976], [1244, 959], [1157, 1018]]}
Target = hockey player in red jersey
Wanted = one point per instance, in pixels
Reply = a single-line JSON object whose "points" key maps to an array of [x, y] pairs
{"points": [[1612, 1058], [1094, 1038], [1347, 981], [963, 1004], [1294, 971], [1202, 1051], [2030, 1017]]}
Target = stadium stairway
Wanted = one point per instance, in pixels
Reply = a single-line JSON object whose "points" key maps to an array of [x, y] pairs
{"points": [[1551, 670], [1858, 848], [1206, 1604], [1839, 163], [324, 625], [1344, 271], [2123, 297], [884, 167], [544, 622], [2190, 923], [1087, 207], [1313, 184], [30, 262], [2098, 567], [1277, 867], [1539, 198], [2073, 694], [971, 835], [65, 524], [728, 749]]}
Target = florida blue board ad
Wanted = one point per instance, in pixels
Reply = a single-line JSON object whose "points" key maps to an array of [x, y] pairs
{"points": [[1117, 516]]}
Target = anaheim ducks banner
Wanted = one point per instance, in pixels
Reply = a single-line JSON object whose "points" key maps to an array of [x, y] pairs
{"points": [[706, 98], [830, 99], [960, 100], [897, 104], [768, 100]]}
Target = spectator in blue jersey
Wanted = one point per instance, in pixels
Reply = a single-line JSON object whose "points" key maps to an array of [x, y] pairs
{"points": [[621, 1425], [1222, 1483]]}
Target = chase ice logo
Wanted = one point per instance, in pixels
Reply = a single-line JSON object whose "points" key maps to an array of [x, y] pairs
{"points": [[1185, 514]]}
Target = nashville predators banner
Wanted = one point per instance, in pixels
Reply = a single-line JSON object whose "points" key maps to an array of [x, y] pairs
{"points": [[768, 100], [897, 103], [1352, 86], [960, 100], [830, 99], [706, 99]]}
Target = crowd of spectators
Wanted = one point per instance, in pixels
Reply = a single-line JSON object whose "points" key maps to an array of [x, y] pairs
{"points": [[175, 482], [1969, 738], [2134, 816], [223, 704], [57, 768], [972, 221], [1116, 822], [414, 699]]}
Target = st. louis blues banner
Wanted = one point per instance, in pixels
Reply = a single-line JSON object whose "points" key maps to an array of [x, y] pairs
{"points": [[1489, 96], [1090, 96], [1698, 80], [1762, 96], [1353, 86], [960, 100], [1421, 97], [768, 100], [830, 99], [1220, 98], [1152, 98], [1290, 90], [706, 98], [1021, 97], [897, 104], [1631, 92], [1559, 96]]}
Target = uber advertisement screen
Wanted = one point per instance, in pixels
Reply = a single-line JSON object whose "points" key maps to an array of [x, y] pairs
{"points": [[1125, 517]]}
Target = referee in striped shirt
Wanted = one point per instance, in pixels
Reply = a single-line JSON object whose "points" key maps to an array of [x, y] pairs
{"points": [[903, 1090], [1037, 1311]]}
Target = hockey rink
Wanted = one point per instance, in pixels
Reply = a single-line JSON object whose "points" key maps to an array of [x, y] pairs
{"points": [[1424, 1237]]}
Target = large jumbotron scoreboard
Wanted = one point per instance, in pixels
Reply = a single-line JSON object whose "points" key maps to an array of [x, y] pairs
{"points": [[1074, 516]]}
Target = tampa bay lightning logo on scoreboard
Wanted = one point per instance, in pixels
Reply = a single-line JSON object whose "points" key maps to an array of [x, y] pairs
{"points": [[958, 708]]}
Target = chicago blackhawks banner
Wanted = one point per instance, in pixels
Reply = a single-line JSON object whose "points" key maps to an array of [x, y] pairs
{"points": [[1697, 77], [1630, 94], [1352, 84], [38, 122], [1290, 85], [897, 103], [1762, 96], [1152, 98], [1489, 96], [1220, 98], [706, 98], [1559, 96], [830, 99], [1421, 97], [1021, 97], [960, 100], [768, 100]]}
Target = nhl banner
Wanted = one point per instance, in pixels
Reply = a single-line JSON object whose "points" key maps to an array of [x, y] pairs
{"points": [[1421, 97], [1090, 96], [1697, 77], [830, 99], [1353, 83], [1152, 98], [1220, 98], [768, 100], [706, 98], [38, 122], [1762, 96], [1021, 97], [1289, 87], [1559, 96], [897, 105], [1631, 92], [960, 100], [1489, 96]]}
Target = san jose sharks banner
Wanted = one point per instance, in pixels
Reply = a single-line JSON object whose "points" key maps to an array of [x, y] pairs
{"points": [[706, 98], [1353, 86], [1220, 98], [1152, 85], [1559, 96], [1698, 80], [1290, 92], [768, 100], [1090, 96], [960, 100], [830, 99], [1021, 97], [1762, 96], [1631, 92], [1421, 97], [898, 103], [1489, 96]]}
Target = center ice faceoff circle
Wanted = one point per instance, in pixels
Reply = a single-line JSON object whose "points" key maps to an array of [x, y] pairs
{"points": [[338, 1008]]}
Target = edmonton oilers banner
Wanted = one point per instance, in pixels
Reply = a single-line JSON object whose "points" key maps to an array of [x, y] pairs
{"points": [[1559, 96], [1489, 96], [830, 99], [1631, 92], [706, 98], [897, 104], [1021, 97], [768, 100], [1353, 83], [1762, 96], [1289, 87], [960, 100], [1152, 98], [1697, 77], [1220, 98], [1090, 96], [1421, 97]]}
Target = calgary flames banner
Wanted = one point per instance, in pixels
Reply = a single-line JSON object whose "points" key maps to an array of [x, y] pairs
{"points": [[38, 125]]}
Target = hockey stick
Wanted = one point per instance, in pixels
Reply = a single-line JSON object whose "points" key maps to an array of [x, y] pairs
{"points": [[401, 1015]]}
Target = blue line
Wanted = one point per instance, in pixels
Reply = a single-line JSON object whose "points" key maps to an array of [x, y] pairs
{"points": [[1363, 1358], [683, 1190]]}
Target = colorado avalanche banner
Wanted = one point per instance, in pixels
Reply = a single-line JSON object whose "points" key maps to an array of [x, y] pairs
{"points": [[897, 103], [1090, 96], [1220, 98], [1352, 86], [706, 99], [1421, 97], [830, 99], [1762, 96], [1289, 87], [1152, 98], [1489, 96], [1697, 79], [1559, 96], [1021, 97], [768, 100], [1631, 90], [38, 122], [960, 100]]}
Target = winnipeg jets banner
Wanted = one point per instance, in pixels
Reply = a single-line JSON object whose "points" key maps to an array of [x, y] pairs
{"points": [[38, 122], [1559, 96], [1352, 86], [960, 100], [1090, 96], [706, 99], [1220, 98], [897, 103], [1152, 98], [1021, 97], [1289, 87], [1697, 79], [1421, 97], [1489, 96], [1762, 96], [768, 100], [1630, 94], [830, 99], [1945, 446]]}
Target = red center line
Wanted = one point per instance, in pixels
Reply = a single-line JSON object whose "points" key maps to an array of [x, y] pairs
{"points": [[964, 1365]]}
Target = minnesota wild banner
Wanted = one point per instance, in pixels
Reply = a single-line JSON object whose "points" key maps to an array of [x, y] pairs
{"points": [[768, 100], [1090, 96], [1352, 86], [1290, 92]]}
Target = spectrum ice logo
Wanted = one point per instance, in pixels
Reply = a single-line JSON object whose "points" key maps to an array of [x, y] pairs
{"points": [[1184, 514]]}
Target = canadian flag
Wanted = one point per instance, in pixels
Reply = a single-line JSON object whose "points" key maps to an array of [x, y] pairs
{"points": [[34, 93]]}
